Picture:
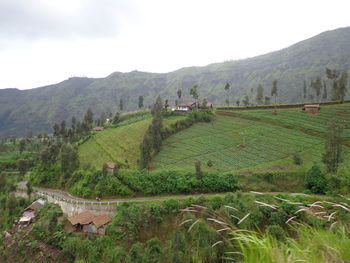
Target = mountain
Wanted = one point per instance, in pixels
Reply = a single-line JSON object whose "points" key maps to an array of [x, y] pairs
{"points": [[37, 109]]}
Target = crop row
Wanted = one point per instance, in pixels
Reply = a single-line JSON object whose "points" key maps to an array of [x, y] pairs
{"points": [[222, 144]]}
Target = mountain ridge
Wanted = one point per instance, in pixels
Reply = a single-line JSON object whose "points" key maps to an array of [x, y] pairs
{"points": [[37, 109]]}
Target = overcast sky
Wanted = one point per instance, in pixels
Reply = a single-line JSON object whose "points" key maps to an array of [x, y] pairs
{"points": [[46, 41]]}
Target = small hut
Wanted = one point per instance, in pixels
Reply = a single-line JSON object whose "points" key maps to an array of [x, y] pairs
{"points": [[30, 212], [312, 108], [186, 106], [89, 223]]}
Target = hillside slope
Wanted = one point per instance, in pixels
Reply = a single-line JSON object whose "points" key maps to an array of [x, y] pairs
{"points": [[121, 144], [266, 143], [38, 109]]}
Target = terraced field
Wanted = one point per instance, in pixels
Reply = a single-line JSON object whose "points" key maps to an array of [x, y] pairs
{"points": [[235, 143], [119, 144], [296, 118]]}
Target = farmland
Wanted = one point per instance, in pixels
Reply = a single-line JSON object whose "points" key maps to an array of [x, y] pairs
{"points": [[297, 119], [237, 144], [119, 144]]}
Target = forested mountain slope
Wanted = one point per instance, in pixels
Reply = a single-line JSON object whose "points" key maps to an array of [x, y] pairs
{"points": [[37, 109]]}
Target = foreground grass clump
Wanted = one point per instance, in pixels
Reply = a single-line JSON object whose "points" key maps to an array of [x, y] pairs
{"points": [[310, 245]]}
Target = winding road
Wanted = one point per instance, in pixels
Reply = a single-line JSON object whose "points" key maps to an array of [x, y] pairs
{"points": [[59, 194]]}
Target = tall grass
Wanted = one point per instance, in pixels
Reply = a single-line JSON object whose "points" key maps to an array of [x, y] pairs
{"points": [[310, 245]]}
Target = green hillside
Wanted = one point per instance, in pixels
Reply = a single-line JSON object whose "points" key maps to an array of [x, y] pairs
{"points": [[38, 109], [297, 119], [121, 144], [240, 144]]}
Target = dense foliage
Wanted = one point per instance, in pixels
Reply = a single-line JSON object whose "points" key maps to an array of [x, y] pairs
{"points": [[187, 230]]}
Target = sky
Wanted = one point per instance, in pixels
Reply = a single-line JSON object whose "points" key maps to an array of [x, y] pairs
{"points": [[44, 42]]}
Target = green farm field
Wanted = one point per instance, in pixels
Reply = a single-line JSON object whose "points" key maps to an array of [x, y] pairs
{"points": [[121, 144], [297, 119], [232, 143]]}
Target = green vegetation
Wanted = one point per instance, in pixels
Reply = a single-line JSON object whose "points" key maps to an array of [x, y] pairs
{"points": [[234, 227], [236, 144], [10, 206], [311, 245], [300, 120], [119, 144]]}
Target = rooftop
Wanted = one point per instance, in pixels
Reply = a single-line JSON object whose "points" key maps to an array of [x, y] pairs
{"points": [[87, 217]]}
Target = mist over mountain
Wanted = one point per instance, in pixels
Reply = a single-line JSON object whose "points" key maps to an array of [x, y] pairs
{"points": [[37, 109]]}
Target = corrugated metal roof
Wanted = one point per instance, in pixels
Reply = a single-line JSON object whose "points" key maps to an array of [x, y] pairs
{"points": [[87, 217], [101, 220], [82, 218], [35, 205]]}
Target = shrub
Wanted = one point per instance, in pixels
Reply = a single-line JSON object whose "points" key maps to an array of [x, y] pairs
{"points": [[297, 159], [276, 231], [209, 163], [316, 181], [171, 205]]}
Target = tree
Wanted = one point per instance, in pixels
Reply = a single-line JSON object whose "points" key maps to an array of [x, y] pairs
{"points": [[166, 105], [259, 94], [194, 93], [238, 102], [156, 127], [338, 85], [121, 105], [69, 160], [305, 90], [49, 155], [315, 180], [317, 86], [227, 89], [56, 130], [116, 118], [342, 85], [267, 100], [274, 90], [74, 124], [198, 169], [145, 151], [246, 100], [88, 119], [140, 102], [179, 94], [63, 129], [22, 145], [333, 155], [22, 166], [324, 95]]}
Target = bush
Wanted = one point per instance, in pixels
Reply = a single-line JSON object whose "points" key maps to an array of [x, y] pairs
{"points": [[316, 181], [277, 232], [297, 159], [209, 163], [158, 182]]}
